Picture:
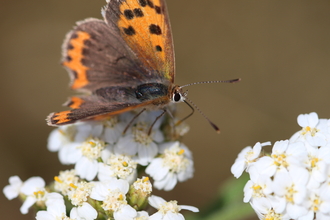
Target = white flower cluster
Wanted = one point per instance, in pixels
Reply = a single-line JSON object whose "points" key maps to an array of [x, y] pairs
{"points": [[293, 182], [104, 183]]}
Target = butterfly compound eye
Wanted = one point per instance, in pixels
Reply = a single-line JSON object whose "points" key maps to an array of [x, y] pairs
{"points": [[177, 97]]}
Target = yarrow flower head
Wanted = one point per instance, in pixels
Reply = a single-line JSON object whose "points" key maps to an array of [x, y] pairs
{"points": [[293, 181], [174, 164], [108, 157]]}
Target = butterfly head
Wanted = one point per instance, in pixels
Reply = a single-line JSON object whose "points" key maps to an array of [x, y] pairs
{"points": [[178, 95]]}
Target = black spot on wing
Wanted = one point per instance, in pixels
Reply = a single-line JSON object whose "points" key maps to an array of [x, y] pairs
{"points": [[128, 14], [150, 4], [138, 12], [158, 10], [159, 48], [130, 31], [143, 3], [155, 29]]}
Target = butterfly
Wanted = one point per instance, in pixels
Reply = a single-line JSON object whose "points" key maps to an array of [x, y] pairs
{"points": [[123, 62]]}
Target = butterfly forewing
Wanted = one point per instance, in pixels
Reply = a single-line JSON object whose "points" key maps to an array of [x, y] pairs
{"points": [[145, 26]]}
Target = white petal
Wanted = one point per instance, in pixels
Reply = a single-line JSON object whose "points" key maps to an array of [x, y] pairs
{"points": [[27, 204], [295, 211], [237, 168], [44, 215], [12, 191], [54, 140], [156, 169], [190, 208], [156, 201], [173, 216], [86, 211], [280, 147], [32, 184], [86, 168], [126, 213]]}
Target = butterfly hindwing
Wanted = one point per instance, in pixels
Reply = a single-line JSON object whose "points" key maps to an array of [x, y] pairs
{"points": [[145, 26]]}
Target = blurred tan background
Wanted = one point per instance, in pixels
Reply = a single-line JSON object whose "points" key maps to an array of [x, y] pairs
{"points": [[280, 49]]}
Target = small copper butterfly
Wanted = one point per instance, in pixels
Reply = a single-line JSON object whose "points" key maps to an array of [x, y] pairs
{"points": [[123, 62]]}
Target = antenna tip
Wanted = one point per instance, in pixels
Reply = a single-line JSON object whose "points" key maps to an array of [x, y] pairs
{"points": [[235, 80], [216, 128]]}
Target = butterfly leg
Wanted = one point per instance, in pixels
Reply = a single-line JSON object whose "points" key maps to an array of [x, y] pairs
{"points": [[133, 119], [158, 117]]}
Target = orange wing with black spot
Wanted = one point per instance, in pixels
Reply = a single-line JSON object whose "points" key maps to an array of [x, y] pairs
{"points": [[145, 27]]}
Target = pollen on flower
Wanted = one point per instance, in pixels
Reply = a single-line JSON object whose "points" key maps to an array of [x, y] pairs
{"points": [[289, 196], [80, 193], [280, 160], [114, 201], [175, 159], [316, 204], [63, 181], [272, 215], [111, 122], [92, 148], [314, 162], [143, 184], [258, 191], [39, 194], [309, 130], [122, 166], [171, 206], [140, 132], [57, 179]]}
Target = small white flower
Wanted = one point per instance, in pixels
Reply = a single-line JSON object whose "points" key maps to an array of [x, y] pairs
{"points": [[284, 155], [85, 157], [64, 180], [265, 211], [83, 212], [12, 190], [316, 206], [34, 190], [59, 137], [290, 190], [55, 209], [112, 193], [138, 142], [168, 210], [143, 185], [246, 157], [175, 164], [314, 131], [118, 166], [79, 193], [259, 186], [113, 129], [78, 196], [317, 164]]}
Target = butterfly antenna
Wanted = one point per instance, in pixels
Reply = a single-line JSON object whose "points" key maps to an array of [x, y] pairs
{"points": [[193, 107], [213, 81]]}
